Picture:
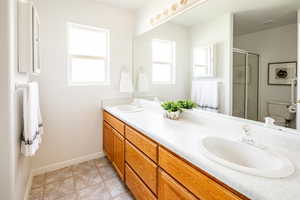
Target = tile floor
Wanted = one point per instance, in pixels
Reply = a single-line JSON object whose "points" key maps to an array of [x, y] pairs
{"points": [[91, 180]]}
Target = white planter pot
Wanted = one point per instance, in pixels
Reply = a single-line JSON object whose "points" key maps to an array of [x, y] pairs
{"points": [[172, 115]]}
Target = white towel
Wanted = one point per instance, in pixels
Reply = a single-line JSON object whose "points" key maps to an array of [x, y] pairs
{"points": [[33, 126], [126, 82], [143, 83], [205, 94]]}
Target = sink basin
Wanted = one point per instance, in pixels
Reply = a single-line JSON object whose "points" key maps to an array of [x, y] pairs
{"points": [[129, 108], [246, 158]]}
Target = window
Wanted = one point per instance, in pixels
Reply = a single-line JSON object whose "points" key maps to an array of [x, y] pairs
{"points": [[88, 51], [203, 61], [163, 62]]}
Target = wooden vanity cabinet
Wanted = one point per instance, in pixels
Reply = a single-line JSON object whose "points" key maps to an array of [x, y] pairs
{"points": [[151, 171], [114, 142]]}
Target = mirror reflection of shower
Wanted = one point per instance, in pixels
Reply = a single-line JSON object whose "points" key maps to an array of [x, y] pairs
{"points": [[246, 95], [245, 84], [264, 71]]}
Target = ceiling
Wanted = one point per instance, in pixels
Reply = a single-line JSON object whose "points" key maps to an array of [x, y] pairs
{"points": [[250, 16], [127, 4], [258, 20]]}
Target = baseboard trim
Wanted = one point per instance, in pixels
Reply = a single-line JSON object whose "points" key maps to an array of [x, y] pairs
{"points": [[28, 186], [66, 163]]}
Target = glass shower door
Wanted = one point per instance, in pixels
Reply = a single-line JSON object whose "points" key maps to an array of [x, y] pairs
{"points": [[245, 85], [239, 86], [252, 81]]}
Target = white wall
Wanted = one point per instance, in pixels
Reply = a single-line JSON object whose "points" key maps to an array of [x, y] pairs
{"points": [[298, 88], [273, 45], [219, 33], [143, 58], [6, 161], [22, 164], [72, 117], [15, 168]]}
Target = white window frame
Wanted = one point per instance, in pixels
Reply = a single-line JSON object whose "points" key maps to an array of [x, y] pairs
{"points": [[172, 63], [210, 66], [106, 59]]}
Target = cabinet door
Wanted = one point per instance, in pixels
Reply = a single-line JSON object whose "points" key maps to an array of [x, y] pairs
{"points": [[119, 153], [169, 189], [108, 141]]}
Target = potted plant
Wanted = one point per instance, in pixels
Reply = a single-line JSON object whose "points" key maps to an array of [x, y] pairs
{"points": [[187, 104], [172, 110]]}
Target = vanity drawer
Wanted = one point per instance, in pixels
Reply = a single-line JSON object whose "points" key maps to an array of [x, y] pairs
{"points": [[169, 189], [136, 186], [114, 122], [142, 165], [196, 182], [142, 143]]}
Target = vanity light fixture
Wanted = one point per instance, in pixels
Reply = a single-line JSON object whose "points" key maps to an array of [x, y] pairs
{"points": [[184, 2], [174, 9]]}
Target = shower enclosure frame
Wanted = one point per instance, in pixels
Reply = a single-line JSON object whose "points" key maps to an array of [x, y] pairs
{"points": [[236, 50]]}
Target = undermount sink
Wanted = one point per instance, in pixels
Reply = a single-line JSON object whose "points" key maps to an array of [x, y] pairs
{"points": [[246, 158], [129, 108]]}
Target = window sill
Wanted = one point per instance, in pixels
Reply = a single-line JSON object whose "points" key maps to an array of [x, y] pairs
{"points": [[204, 76], [163, 83], [74, 84]]}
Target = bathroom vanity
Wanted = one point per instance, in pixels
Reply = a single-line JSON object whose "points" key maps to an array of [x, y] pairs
{"points": [[152, 171], [159, 158]]}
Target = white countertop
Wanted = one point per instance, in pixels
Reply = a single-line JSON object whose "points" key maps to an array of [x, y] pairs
{"points": [[183, 137]]}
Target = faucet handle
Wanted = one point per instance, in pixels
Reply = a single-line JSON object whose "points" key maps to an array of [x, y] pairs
{"points": [[247, 138], [269, 121], [246, 130]]}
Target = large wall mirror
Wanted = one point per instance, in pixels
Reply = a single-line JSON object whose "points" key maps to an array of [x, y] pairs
{"points": [[240, 60]]}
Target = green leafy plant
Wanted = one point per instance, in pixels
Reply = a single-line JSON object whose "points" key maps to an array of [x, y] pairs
{"points": [[187, 104], [171, 106]]}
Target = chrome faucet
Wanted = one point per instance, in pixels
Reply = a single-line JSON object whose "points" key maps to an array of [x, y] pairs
{"points": [[247, 136], [269, 122], [248, 139]]}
